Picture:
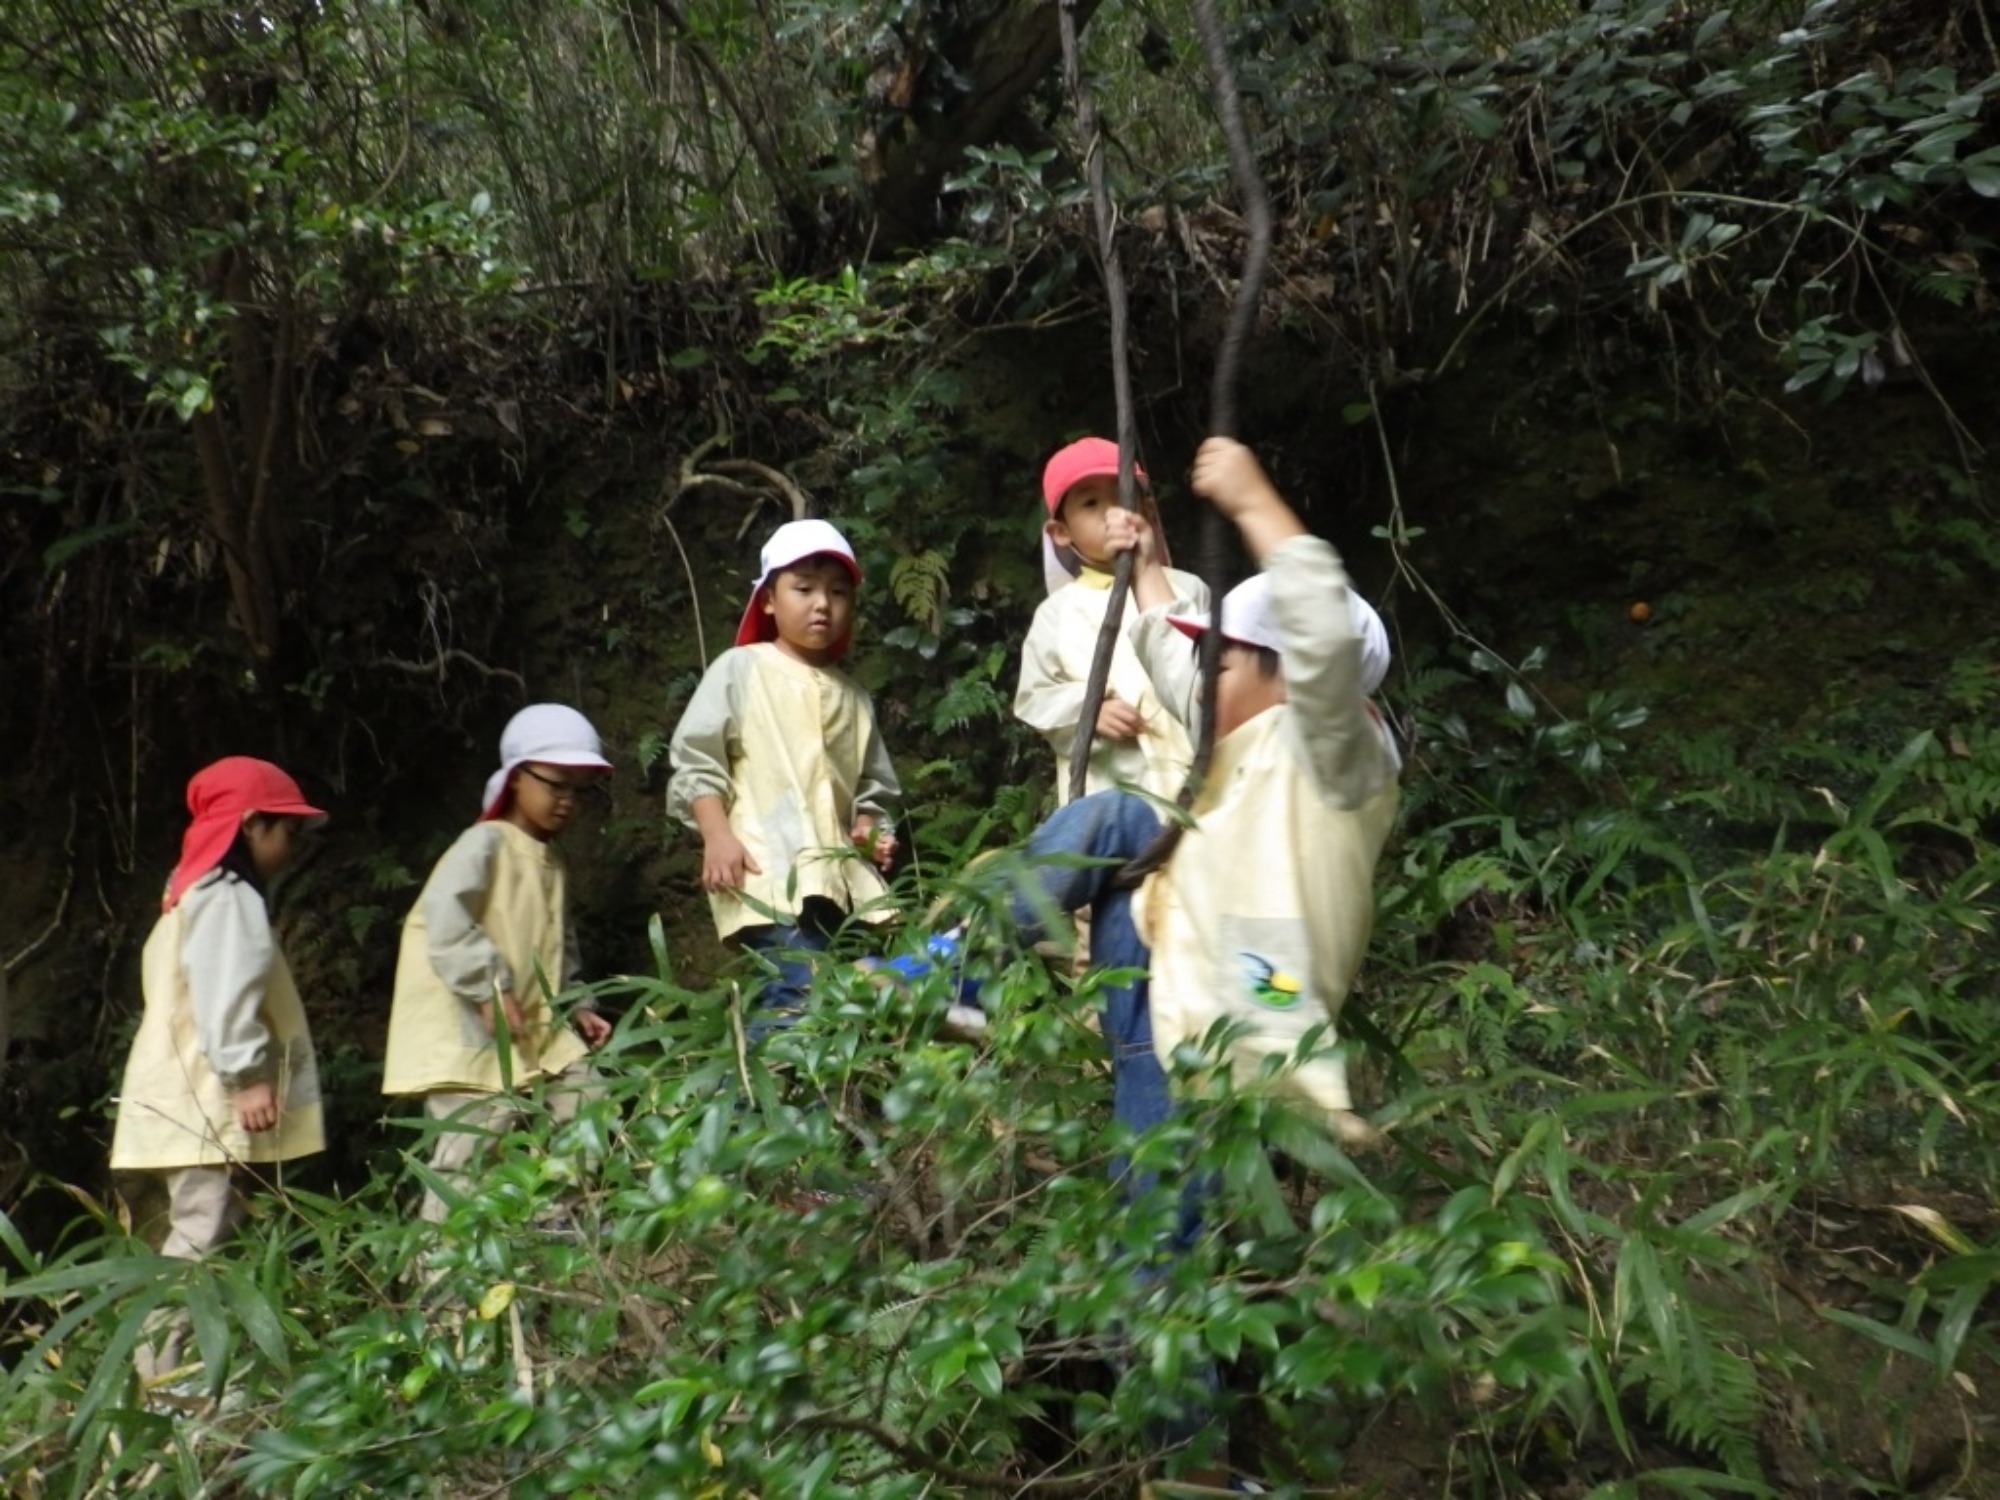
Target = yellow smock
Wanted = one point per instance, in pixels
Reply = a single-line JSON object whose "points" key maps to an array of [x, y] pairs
{"points": [[793, 752], [221, 1013], [1263, 913], [1055, 666], [492, 919]]}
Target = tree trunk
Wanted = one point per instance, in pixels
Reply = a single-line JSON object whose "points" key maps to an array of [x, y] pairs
{"points": [[958, 85]]}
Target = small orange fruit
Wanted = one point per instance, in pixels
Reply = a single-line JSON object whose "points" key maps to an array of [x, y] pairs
{"points": [[1640, 612]]}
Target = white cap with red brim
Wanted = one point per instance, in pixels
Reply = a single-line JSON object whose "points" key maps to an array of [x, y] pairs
{"points": [[1249, 619], [791, 543]]}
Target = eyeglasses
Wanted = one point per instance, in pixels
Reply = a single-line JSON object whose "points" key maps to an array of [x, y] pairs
{"points": [[562, 791]]}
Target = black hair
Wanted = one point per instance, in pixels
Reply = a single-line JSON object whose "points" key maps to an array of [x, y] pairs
{"points": [[830, 559], [239, 863], [1269, 663]]}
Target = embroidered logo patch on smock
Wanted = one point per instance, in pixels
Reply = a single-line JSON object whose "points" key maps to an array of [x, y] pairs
{"points": [[1270, 984]]}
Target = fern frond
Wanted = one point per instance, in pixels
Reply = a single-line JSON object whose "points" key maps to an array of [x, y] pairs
{"points": [[921, 583], [966, 701]]}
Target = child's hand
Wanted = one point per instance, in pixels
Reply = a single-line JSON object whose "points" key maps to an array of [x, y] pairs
{"points": [[725, 862], [256, 1107], [1228, 476], [1118, 720], [517, 1022], [591, 1026], [1125, 530], [879, 846]]}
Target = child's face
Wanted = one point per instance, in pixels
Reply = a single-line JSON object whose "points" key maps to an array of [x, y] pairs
{"points": [[270, 841], [1079, 521], [542, 799], [812, 604]]}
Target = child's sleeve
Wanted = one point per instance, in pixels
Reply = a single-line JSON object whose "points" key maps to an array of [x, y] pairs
{"points": [[572, 954], [226, 952], [1333, 728], [877, 790], [1047, 697], [1171, 662], [700, 748], [454, 899]]}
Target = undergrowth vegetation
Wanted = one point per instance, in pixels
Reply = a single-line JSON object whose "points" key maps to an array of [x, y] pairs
{"points": [[1684, 1041], [1635, 1070]]}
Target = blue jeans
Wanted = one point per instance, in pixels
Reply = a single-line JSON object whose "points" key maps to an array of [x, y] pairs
{"points": [[787, 948], [1115, 827], [1112, 827]]}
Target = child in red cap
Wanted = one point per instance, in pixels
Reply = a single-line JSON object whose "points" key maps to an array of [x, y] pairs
{"points": [[780, 766], [1138, 743], [221, 1075], [490, 941]]}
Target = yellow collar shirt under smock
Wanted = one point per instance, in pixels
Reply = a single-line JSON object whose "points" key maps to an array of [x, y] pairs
{"points": [[221, 1013], [794, 754], [1055, 667], [1263, 914], [493, 919]]}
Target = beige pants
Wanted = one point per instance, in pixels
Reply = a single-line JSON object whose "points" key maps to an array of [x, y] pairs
{"points": [[203, 1210], [474, 1121]]}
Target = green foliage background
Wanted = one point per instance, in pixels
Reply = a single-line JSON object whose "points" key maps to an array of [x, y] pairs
{"points": [[369, 369]]}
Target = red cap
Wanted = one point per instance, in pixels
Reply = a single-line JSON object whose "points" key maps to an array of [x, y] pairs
{"points": [[1086, 458], [218, 796]]}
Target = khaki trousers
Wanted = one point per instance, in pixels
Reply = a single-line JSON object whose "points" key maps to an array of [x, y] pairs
{"points": [[474, 1121], [203, 1210]]}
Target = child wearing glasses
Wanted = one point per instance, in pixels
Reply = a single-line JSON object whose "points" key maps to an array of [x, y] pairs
{"points": [[487, 948], [780, 767]]}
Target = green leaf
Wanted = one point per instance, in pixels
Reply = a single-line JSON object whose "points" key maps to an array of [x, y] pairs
{"points": [[982, 1373], [1955, 1323], [1983, 178], [1484, 123], [1889, 1338], [63, 549]]}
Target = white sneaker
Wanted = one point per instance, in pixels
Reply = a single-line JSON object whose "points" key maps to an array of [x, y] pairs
{"points": [[963, 1023]]}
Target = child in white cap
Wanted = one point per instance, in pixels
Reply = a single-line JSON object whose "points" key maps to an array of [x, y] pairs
{"points": [[1138, 742], [780, 766], [1261, 914], [489, 944]]}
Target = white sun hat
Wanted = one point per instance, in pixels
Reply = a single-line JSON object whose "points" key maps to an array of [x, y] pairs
{"points": [[1249, 619], [549, 734]]}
